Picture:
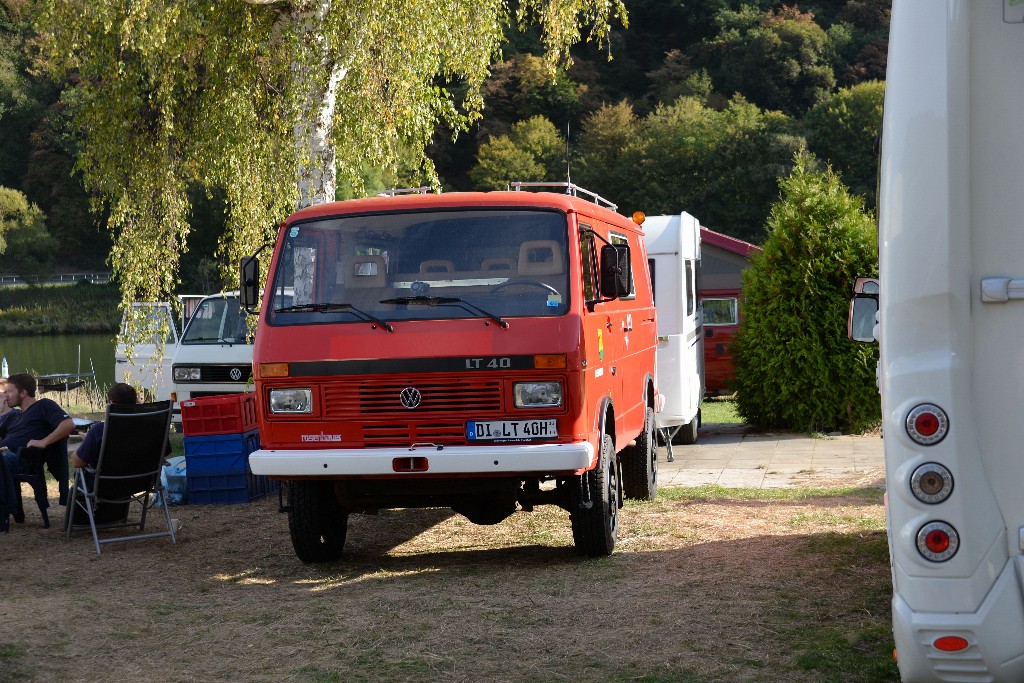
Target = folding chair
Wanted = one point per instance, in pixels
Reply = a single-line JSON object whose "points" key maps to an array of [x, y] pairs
{"points": [[55, 457], [128, 471]]}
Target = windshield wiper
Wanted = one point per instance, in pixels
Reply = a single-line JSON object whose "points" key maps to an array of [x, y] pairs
{"points": [[441, 300], [327, 308]]}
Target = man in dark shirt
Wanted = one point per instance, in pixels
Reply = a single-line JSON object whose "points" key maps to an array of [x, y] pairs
{"points": [[88, 453], [39, 424]]}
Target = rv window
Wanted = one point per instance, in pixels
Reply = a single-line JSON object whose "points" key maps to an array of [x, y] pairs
{"points": [[689, 285], [720, 311]]}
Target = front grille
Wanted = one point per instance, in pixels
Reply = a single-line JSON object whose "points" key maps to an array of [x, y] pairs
{"points": [[379, 400], [402, 434], [222, 373]]}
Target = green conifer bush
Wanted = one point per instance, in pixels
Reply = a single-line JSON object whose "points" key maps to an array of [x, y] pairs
{"points": [[795, 367]]}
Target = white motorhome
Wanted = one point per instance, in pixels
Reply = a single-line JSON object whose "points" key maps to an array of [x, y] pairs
{"points": [[214, 354], [950, 313], [673, 254]]}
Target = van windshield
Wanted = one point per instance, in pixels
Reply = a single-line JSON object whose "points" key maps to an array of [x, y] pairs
{"points": [[429, 265], [217, 320]]}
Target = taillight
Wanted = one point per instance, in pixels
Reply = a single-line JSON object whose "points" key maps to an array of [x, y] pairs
{"points": [[937, 541], [927, 424], [931, 483], [950, 643]]}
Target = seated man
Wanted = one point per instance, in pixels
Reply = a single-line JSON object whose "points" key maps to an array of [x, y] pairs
{"points": [[39, 423], [88, 453]]}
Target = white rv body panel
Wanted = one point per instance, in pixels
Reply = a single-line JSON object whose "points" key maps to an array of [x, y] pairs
{"points": [[950, 217], [673, 249]]}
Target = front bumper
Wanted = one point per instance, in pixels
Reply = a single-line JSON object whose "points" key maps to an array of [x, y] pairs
{"points": [[447, 460]]}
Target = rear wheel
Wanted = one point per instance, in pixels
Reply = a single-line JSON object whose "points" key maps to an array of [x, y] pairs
{"points": [[688, 432], [640, 464], [317, 523], [595, 509]]}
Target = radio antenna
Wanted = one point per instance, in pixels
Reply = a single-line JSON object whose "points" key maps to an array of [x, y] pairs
{"points": [[568, 177]]}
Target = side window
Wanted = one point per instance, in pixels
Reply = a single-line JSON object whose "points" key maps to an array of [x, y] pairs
{"points": [[587, 254], [688, 284], [654, 293], [621, 240], [720, 311]]}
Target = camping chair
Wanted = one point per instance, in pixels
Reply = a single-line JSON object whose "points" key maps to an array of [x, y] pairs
{"points": [[128, 471], [55, 457]]}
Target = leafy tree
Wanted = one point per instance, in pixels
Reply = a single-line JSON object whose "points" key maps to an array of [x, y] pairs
{"points": [[532, 151], [779, 59], [27, 247], [263, 99], [843, 130], [795, 368], [721, 166]]}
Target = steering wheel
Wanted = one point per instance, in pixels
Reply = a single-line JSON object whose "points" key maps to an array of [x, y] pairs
{"points": [[525, 283]]}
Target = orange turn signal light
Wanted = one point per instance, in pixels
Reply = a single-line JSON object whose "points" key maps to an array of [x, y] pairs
{"points": [[273, 369], [950, 643], [639, 217], [552, 361]]}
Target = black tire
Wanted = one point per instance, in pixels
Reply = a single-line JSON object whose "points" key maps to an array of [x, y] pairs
{"points": [[640, 464], [688, 432], [595, 522], [317, 523]]}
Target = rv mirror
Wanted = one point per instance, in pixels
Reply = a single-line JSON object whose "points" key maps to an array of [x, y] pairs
{"points": [[860, 324], [615, 271], [249, 283]]}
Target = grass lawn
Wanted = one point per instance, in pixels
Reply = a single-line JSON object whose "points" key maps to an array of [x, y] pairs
{"points": [[707, 584]]}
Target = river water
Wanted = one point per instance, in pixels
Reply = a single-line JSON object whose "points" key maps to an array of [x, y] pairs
{"points": [[48, 355]]}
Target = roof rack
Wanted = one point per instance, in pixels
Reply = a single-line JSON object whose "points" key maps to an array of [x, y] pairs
{"points": [[405, 190], [570, 189]]}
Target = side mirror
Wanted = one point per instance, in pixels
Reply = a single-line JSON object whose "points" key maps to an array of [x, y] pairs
{"points": [[249, 283], [866, 285], [860, 323], [615, 271]]}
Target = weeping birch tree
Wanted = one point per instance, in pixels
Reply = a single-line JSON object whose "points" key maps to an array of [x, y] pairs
{"points": [[267, 100]]}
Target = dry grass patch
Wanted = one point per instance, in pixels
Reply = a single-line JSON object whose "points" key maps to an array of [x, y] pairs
{"points": [[707, 585]]}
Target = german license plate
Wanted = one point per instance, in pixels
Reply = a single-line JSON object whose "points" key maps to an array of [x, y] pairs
{"points": [[512, 430]]}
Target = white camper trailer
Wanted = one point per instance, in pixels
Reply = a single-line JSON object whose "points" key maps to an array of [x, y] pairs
{"points": [[950, 315], [673, 254]]}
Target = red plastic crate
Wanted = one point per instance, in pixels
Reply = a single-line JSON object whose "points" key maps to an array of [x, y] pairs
{"points": [[228, 414]]}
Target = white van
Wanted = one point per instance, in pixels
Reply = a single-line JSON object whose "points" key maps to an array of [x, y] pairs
{"points": [[214, 354], [673, 255]]}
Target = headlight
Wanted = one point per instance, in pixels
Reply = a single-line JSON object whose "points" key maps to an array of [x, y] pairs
{"points": [[291, 401], [186, 374], [537, 394]]}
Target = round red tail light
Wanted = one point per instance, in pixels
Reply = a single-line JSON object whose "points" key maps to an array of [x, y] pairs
{"points": [[937, 541], [927, 424]]}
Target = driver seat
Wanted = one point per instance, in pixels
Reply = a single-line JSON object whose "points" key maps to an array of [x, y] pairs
{"points": [[540, 257]]}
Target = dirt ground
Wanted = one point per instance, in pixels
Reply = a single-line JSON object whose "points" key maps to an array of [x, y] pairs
{"points": [[715, 589]]}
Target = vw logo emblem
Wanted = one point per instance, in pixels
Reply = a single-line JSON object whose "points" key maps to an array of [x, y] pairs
{"points": [[411, 397], [236, 374]]}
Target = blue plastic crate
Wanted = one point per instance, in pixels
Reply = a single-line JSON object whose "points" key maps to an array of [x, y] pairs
{"points": [[215, 454], [227, 488]]}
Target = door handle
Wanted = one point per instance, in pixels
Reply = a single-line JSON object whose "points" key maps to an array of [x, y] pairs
{"points": [[1001, 289]]}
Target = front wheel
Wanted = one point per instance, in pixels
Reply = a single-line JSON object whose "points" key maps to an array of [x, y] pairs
{"points": [[640, 464], [595, 507], [317, 523]]}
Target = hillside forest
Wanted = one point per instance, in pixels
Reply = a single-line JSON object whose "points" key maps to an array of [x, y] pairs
{"points": [[696, 105]]}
